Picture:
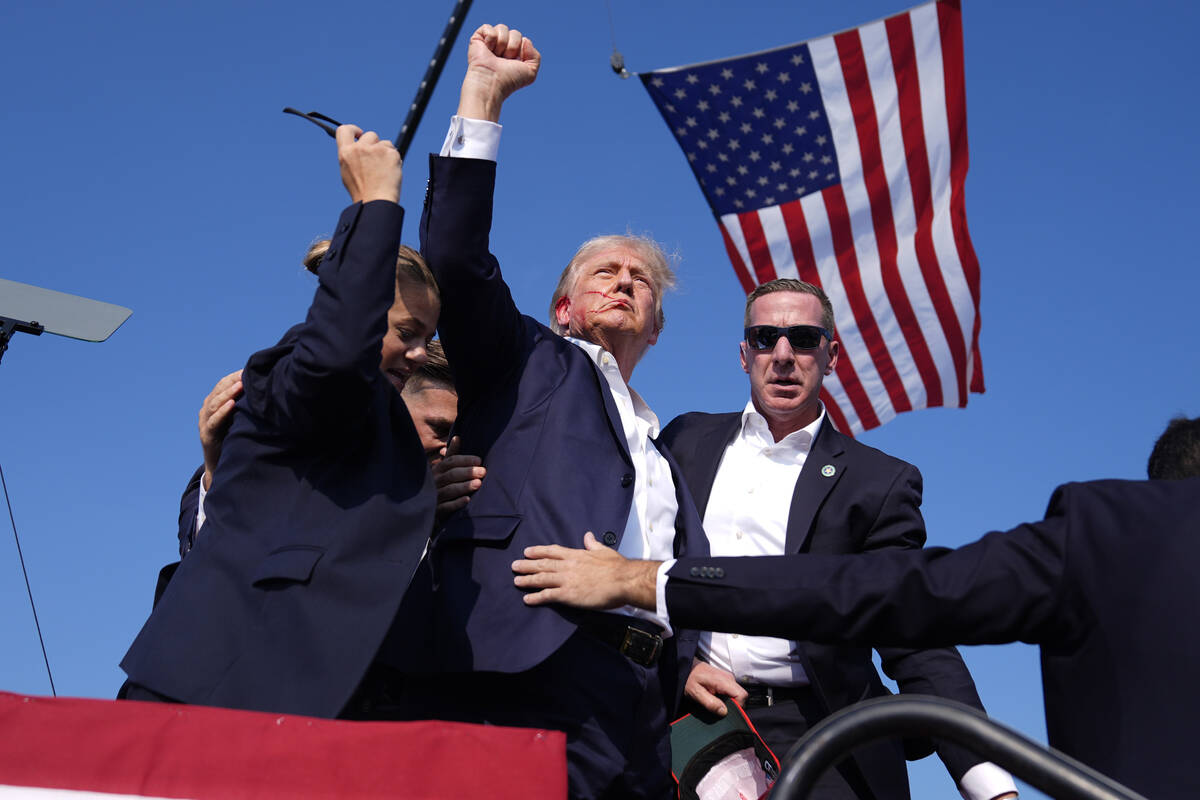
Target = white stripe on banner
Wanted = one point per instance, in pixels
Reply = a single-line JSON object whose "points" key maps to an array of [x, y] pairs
{"points": [[733, 227], [885, 98], [845, 138], [882, 75], [38, 793], [928, 45], [817, 220], [778, 242]]}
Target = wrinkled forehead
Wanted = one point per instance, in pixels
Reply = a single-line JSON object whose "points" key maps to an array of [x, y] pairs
{"points": [[786, 308], [617, 257]]}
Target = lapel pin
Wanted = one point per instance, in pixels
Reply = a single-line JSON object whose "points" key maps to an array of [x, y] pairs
{"points": [[828, 470]]}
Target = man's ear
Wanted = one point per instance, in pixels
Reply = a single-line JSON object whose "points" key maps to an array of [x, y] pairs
{"points": [[834, 350], [562, 311], [744, 356]]}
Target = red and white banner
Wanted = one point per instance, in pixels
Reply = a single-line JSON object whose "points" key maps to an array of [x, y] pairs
{"points": [[72, 748]]}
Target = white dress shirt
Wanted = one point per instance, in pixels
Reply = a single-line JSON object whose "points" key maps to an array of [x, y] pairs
{"points": [[747, 515], [650, 528]]}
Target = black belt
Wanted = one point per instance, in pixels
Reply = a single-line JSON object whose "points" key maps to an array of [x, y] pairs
{"points": [[637, 639], [760, 695]]}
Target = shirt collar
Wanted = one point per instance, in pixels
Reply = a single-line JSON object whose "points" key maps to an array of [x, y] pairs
{"points": [[607, 363], [754, 426]]}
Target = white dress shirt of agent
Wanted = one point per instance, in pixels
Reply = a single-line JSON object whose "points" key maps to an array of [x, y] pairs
{"points": [[789, 349]]}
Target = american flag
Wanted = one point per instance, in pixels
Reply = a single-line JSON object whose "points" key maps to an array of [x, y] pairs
{"points": [[841, 161]]}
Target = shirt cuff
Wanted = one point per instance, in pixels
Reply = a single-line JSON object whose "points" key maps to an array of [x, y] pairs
{"points": [[200, 506], [472, 138], [984, 781], [660, 592]]}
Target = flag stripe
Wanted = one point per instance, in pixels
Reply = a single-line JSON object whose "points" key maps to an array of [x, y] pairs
{"points": [[886, 95], [904, 62], [950, 24], [739, 265], [851, 275], [806, 269], [859, 86], [756, 244]]}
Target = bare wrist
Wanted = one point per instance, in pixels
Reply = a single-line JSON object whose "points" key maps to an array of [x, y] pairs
{"points": [[481, 96]]}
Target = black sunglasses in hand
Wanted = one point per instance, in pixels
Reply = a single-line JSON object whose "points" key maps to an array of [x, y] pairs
{"points": [[800, 337], [318, 119]]}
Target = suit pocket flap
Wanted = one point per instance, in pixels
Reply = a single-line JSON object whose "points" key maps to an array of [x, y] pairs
{"points": [[488, 528], [288, 564]]}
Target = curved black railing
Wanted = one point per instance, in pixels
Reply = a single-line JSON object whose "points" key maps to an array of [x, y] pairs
{"points": [[830, 740]]}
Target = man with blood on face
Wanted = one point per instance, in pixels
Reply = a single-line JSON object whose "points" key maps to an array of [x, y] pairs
{"points": [[568, 446]]}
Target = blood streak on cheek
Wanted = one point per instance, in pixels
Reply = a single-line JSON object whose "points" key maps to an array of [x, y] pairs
{"points": [[606, 296]]}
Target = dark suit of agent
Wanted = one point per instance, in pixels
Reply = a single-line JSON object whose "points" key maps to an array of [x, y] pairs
{"points": [[322, 500], [1105, 585], [787, 482], [567, 446]]}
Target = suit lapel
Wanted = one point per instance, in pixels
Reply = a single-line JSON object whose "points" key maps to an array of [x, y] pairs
{"points": [[610, 408], [706, 458], [814, 485]]}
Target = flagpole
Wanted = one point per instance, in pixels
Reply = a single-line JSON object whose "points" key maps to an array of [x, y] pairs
{"points": [[425, 89]]}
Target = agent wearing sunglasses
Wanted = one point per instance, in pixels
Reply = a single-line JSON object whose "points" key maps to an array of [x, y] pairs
{"points": [[777, 478]]}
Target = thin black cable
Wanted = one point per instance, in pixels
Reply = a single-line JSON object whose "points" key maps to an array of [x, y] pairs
{"points": [[21, 556]]}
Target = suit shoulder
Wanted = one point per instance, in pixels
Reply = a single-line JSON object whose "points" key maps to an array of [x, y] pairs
{"points": [[877, 458], [694, 424]]}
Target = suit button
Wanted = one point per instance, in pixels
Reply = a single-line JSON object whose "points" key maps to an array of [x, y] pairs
{"points": [[626, 481], [345, 226], [695, 572], [720, 572], [708, 572], [610, 538]]}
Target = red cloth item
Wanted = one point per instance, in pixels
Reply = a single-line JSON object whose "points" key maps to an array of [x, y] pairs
{"points": [[165, 750]]}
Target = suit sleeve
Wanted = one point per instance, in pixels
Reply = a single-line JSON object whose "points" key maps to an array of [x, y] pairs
{"points": [[480, 325], [1005, 587], [322, 383], [936, 671], [189, 504]]}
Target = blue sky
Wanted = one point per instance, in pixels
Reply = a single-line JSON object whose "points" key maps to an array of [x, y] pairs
{"points": [[146, 163]]}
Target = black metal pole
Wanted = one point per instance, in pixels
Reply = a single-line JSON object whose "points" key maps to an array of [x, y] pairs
{"points": [[417, 109], [834, 737], [10, 326]]}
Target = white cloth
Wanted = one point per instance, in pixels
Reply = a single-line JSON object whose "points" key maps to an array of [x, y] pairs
{"points": [[747, 515], [472, 138], [200, 505]]}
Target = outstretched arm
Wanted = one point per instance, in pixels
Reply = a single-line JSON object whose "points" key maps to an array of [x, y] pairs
{"points": [[595, 577], [499, 61]]}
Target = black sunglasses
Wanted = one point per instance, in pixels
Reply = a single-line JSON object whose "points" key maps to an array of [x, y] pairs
{"points": [[318, 119], [800, 337]]}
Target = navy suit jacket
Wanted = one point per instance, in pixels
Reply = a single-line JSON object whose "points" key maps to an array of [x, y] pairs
{"points": [[538, 412], [870, 502], [1105, 585], [320, 508]]}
